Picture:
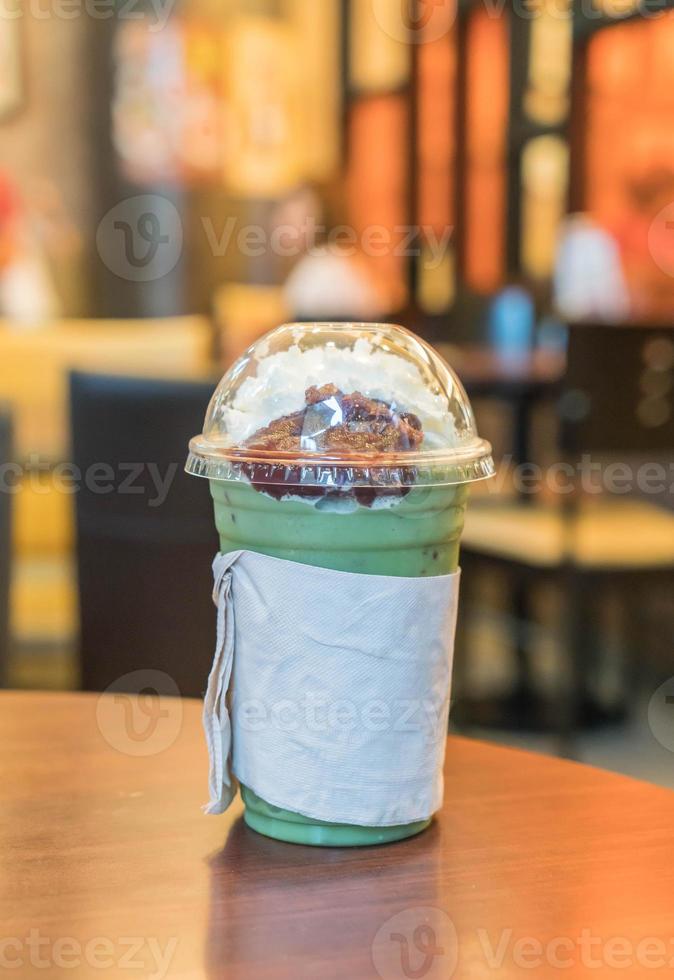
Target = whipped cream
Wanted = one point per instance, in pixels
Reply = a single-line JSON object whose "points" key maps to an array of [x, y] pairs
{"points": [[279, 388]]}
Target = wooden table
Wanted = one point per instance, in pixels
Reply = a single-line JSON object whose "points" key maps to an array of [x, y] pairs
{"points": [[535, 868]]}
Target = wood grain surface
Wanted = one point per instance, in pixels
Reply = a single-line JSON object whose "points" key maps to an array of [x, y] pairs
{"points": [[108, 868]]}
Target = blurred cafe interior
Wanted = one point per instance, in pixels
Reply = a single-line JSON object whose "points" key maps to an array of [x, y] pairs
{"points": [[178, 179]]}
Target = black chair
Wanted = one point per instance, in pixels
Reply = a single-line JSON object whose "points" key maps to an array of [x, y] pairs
{"points": [[617, 404], [145, 533], [5, 543]]}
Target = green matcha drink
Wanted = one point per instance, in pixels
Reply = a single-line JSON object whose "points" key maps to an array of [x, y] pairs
{"points": [[348, 447], [418, 536]]}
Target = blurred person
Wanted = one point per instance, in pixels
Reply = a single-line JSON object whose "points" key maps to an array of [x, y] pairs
{"points": [[27, 293], [244, 310], [63, 245], [297, 218], [332, 280], [326, 284], [589, 282], [512, 320]]}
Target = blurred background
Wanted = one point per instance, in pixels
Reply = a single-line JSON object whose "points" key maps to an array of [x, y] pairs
{"points": [[179, 176]]}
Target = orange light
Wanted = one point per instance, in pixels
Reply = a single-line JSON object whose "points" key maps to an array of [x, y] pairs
{"points": [[377, 185], [487, 86], [629, 164], [436, 121]]}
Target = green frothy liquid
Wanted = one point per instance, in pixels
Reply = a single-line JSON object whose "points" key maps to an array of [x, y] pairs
{"points": [[419, 536]]}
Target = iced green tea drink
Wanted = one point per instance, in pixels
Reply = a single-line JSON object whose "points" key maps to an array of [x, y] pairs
{"points": [[344, 446]]}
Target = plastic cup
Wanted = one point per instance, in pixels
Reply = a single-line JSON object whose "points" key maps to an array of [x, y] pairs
{"points": [[319, 509]]}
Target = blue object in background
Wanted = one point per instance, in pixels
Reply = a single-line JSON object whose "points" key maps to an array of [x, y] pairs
{"points": [[512, 320], [552, 335]]}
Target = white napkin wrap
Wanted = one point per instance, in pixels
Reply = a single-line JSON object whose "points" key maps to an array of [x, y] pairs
{"points": [[329, 692]]}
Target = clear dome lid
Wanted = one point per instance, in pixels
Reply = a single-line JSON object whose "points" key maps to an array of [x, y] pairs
{"points": [[339, 406]]}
